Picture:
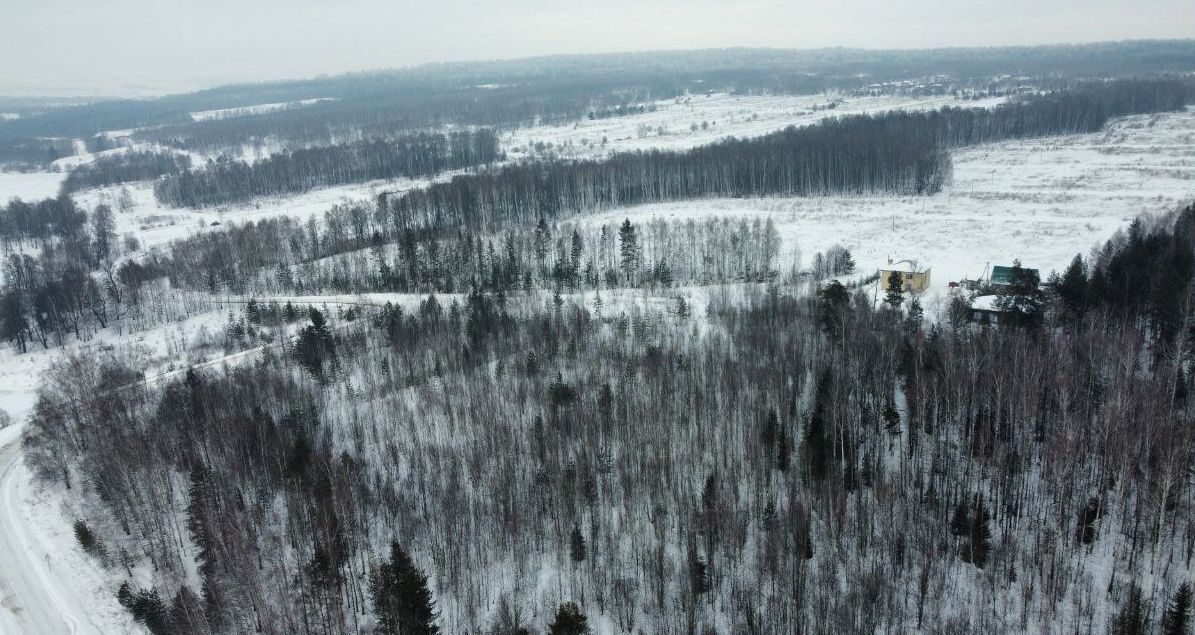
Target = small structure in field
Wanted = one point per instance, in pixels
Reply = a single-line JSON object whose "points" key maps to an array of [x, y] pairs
{"points": [[912, 277]]}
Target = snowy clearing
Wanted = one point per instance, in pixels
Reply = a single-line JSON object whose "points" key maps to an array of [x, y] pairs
{"points": [[29, 185], [155, 225], [1039, 200], [678, 124]]}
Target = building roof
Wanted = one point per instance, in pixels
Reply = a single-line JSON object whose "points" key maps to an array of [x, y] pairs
{"points": [[986, 303], [1003, 275]]}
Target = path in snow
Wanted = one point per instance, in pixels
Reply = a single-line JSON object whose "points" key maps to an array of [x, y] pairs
{"points": [[33, 599]]}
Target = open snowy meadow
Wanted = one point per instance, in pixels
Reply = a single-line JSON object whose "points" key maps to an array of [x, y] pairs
{"points": [[1038, 200]]}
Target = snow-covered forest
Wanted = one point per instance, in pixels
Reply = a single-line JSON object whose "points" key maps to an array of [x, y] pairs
{"points": [[757, 462], [609, 344]]}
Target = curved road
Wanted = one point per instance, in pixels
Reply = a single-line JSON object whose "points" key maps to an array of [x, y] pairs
{"points": [[32, 599]]}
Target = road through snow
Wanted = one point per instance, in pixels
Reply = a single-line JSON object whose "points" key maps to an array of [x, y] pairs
{"points": [[32, 598]]}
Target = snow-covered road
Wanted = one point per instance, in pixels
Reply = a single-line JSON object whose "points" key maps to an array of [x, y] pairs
{"points": [[33, 599]]}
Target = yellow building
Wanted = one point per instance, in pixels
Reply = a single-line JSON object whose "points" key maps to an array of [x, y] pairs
{"points": [[911, 279]]}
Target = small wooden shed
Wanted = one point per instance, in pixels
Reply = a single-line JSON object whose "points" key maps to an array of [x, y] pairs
{"points": [[912, 278]]}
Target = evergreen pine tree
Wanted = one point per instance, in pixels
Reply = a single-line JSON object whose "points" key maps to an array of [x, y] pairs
{"points": [[628, 245], [570, 620], [186, 614], [959, 522], [782, 451], [891, 416], [577, 545], [818, 443], [402, 601], [1133, 616], [834, 304], [895, 294], [1073, 289], [916, 315], [1178, 615], [771, 430], [980, 535], [542, 235]]}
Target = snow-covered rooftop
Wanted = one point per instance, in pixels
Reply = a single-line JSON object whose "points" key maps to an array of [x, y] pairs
{"points": [[985, 303]]}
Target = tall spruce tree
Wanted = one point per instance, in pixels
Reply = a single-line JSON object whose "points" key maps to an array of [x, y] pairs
{"points": [[1073, 289], [1177, 620], [895, 295], [577, 545], [1133, 617], [402, 601], [818, 437], [980, 534], [628, 250], [570, 620]]}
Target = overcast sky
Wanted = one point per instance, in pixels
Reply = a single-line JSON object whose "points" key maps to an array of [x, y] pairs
{"points": [[151, 46]]}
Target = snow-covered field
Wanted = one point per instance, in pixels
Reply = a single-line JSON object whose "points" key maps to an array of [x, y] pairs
{"points": [[1039, 200], [696, 120], [155, 225], [31, 185]]}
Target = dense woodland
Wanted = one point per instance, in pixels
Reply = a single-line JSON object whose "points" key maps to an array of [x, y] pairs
{"points": [[124, 167], [417, 155], [25, 153], [572, 257], [61, 278], [725, 468]]}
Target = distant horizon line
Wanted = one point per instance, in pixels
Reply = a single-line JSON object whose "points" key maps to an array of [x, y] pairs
{"points": [[146, 92]]}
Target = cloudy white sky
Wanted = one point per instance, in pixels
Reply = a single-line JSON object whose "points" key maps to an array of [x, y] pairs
{"points": [[150, 46]]}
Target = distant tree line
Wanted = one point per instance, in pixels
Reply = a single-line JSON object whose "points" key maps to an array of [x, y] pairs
{"points": [[123, 168], [567, 88], [547, 90], [621, 110], [40, 222], [415, 155], [1085, 107], [885, 154], [32, 152], [72, 287], [891, 153]]}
